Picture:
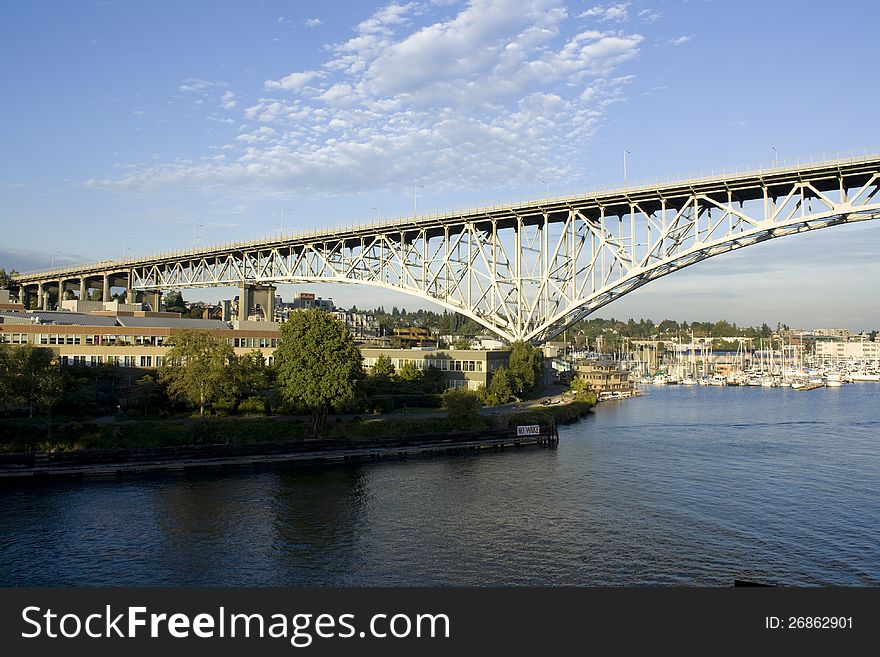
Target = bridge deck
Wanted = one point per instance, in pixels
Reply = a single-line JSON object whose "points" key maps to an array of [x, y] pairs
{"points": [[743, 186]]}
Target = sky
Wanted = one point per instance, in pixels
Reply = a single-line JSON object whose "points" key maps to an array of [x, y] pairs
{"points": [[130, 128]]}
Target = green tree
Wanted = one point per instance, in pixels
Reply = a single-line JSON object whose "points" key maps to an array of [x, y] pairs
{"points": [[174, 302], [582, 391], [433, 380], [249, 377], [33, 377], [500, 387], [317, 364], [5, 375], [461, 403], [409, 372], [196, 368], [525, 365], [383, 368], [6, 281], [463, 343], [147, 393]]}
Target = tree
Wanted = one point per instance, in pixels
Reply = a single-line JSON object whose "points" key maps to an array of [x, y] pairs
{"points": [[409, 372], [317, 363], [582, 391], [196, 368], [433, 380], [33, 377], [6, 281], [461, 403], [500, 387], [174, 302], [526, 366], [383, 368], [146, 393], [249, 377]]}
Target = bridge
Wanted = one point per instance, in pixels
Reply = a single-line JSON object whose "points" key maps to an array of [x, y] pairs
{"points": [[524, 271]]}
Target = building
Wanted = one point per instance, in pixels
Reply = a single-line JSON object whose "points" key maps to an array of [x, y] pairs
{"points": [[139, 340], [136, 339], [362, 326], [412, 336], [841, 333], [8, 303], [470, 368], [862, 350], [604, 377]]}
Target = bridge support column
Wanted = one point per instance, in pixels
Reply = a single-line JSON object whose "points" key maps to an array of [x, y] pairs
{"points": [[152, 298], [41, 297], [105, 290], [83, 289], [256, 299]]}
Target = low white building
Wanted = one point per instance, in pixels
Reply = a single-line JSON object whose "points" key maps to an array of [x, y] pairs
{"points": [[863, 350]]}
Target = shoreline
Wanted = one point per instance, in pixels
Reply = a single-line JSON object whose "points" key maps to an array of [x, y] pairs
{"points": [[412, 438], [178, 459]]}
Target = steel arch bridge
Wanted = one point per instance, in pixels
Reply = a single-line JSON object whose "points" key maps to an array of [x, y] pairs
{"points": [[528, 271]]}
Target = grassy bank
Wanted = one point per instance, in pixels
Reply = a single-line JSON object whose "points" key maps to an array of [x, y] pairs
{"points": [[26, 435]]}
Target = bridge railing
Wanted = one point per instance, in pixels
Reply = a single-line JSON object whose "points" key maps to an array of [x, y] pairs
{"points": [[447, 215]]}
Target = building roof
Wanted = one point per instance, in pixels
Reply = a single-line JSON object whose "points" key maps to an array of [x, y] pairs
{"points": [[64, 318], [170, 322]]}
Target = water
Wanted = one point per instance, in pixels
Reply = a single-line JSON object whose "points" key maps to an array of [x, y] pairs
{"points": [[686, 485]]}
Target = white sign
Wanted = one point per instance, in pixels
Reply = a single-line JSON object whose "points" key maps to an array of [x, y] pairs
{"points": [[528, 430]]}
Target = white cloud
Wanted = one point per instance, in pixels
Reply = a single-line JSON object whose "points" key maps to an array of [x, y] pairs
{"points": [[615, 12], [199, 86], [678, 41], [228, 100], [491, 92], [260, 134], [294, 81], [312, 22]]}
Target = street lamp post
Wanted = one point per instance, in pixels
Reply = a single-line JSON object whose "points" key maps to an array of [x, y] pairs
{"points": [[625, 153], [548, 187]]}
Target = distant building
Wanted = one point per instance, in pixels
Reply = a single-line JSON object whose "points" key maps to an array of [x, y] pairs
{"points": [[833, 333], [9, 303], [414, 336], [302, 301], [470, 368], [863, 350], [604, 376], [136, 339], [362, 326]]}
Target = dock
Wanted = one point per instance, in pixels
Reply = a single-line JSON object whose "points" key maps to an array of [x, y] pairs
{"points": [[104, 462]]}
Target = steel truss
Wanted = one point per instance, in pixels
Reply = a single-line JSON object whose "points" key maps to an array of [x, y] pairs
{"points": [[528, 271]]}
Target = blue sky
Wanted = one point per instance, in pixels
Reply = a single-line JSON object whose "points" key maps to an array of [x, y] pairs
{"points": [[145, 126]]}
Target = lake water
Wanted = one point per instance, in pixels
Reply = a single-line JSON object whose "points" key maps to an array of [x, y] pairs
{"points": [[683, 486]]}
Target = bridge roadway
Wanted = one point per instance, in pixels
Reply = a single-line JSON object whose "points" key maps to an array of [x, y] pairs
{"points": [[525, 271]]}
